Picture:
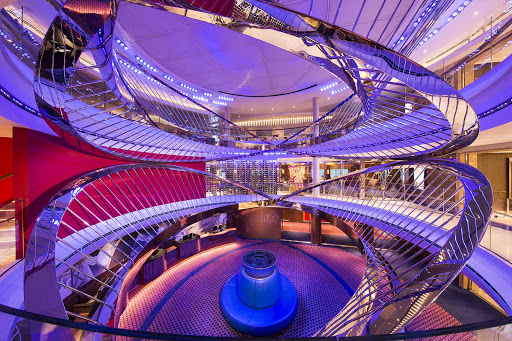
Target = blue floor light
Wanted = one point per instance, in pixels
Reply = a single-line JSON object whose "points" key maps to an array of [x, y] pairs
{"points": [[259, 301]]}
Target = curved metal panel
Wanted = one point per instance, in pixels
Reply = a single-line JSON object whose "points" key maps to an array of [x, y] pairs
{"points": [[83, 93], [408, 111], [88, 235], [419, 223]]}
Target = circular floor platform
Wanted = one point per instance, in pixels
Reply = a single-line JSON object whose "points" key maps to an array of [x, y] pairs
{"points": [[185, 299]]}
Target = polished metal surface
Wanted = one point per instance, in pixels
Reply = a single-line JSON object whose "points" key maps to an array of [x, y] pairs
{"points": [[102, 103], [419, 223], [101, 98], [408, 111], [87, 237]]}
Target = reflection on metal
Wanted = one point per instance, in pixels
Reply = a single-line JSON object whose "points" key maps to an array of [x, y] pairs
{"points": [[408, 111], [89, 234], [92, 97], [88, 91], [419, 223]]}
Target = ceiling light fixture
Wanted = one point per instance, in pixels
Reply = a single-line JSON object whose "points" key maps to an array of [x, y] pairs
{"points": [[188, 87], [329, 86], [339, 90], [459, 10], [219, 103], [200, 98], [224, 98]]}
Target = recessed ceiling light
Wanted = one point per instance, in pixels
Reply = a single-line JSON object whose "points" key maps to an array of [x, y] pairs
{"points": [[272, 108], [476, 13], [424, 51], [251, 109], [328, 97], [294, 106]]}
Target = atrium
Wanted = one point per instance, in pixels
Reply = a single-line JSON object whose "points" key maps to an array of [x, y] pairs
{"points": [[255, 169]]}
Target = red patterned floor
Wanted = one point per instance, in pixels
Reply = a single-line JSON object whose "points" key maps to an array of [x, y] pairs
{"points": [[185, 299], [436, 317], [193, 309]]}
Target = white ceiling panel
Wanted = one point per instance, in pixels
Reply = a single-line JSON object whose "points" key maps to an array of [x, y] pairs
{"points": [[288, 68], [189, 65], [243, 74], [273, 53], [214, 38], [156, 22], [170, 45], [238, 56]]}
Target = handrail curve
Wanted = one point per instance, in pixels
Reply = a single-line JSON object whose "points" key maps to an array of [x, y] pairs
{"points": [[88, 236], [419, 223]]}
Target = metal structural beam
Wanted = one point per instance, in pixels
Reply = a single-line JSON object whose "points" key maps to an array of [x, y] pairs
{"points": [[419, 223]]}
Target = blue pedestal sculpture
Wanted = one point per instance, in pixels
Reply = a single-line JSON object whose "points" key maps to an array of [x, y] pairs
{"points": [[259, 301]]}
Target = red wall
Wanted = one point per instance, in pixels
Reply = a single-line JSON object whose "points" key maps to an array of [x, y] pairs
{"points": [[131, 191], [5, 169], [43, 164], [223, 8]]}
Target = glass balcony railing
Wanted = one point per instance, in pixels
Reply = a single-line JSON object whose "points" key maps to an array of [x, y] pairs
{"points": [[498, 237], [482, 50]]}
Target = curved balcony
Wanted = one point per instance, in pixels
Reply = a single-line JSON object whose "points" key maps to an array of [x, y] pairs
{"points": [[418, 233], [90, 234], [437, 119], [418, 222]]}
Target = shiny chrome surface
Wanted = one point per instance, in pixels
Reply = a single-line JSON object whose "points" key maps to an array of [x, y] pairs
{"points": [[92, 230], [419, 223], [88, 91], [408, 111], [94, 99]]}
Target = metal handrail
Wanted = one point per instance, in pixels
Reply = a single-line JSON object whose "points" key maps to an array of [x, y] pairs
{"points": [[420, 232], [123, 206], [45, 319]]}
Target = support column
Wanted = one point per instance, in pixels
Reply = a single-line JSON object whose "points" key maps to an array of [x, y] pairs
{"points": [[316, 116], [316, 162], [226, 125], [227, 114], [316, 228]]}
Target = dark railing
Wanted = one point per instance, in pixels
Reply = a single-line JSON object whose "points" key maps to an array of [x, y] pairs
{"points": [[67, 327]]}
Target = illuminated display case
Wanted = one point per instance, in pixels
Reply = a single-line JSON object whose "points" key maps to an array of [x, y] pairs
{"points": [[260, 175]]}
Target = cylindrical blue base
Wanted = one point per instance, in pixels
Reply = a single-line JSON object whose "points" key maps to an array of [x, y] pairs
{"points": [[259, 301], [259, 322], [258, 293]]}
